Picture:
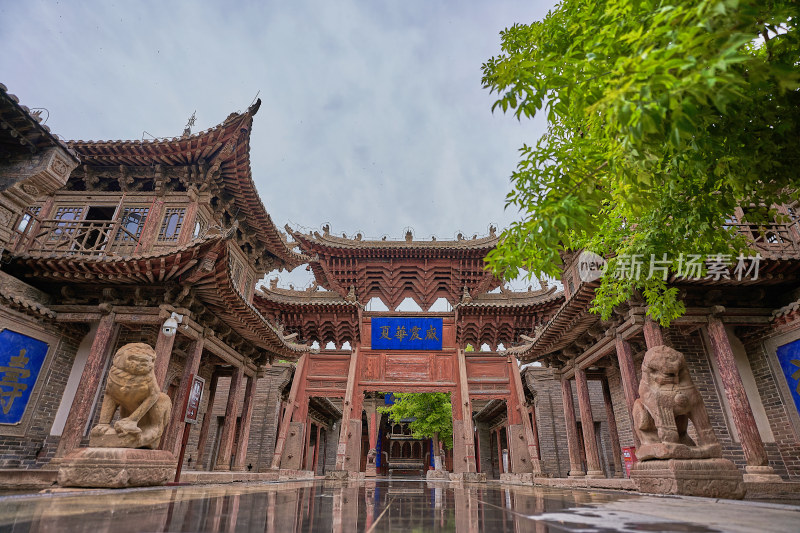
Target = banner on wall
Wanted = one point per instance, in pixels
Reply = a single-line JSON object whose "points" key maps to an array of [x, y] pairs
{"points": [[406, 333], [21, 359], [789, 358]]}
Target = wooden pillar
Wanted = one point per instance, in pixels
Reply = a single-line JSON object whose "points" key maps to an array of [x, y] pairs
{"points": [[173, 434], [593, 465], [229, 425], [307, 458], [499, 452], [287, 412], [371, 408], [466, 414], [204, 427], [240, 458], [317, 447], [347, 411], [527, 427], [652, 333], [163, 349], [616, 450], [78, 418], [630, 382], [754, 452], [575, 467], [535, 429]]}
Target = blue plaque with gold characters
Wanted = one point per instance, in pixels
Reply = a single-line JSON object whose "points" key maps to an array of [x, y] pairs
{"points": [[21, 359], [405, 333], [789, 358]]}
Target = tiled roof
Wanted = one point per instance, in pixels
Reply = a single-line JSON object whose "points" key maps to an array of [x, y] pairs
{"points": [[224, 148], [327, 240], [507, 298], [26, 304], [307, 297], [21, 126]]}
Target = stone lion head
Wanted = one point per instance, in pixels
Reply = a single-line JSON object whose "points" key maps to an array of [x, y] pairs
{"points": [[663, 365], [135, 358]]}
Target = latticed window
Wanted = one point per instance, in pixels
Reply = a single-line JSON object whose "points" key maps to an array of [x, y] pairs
{"points": [[247, 285], [200, 226], [171, 225], [236, 273], [131, 223], [27, 217]]}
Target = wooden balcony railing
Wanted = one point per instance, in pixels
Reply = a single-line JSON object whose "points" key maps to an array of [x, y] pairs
{"points": [[777, 238], [77, 237]]}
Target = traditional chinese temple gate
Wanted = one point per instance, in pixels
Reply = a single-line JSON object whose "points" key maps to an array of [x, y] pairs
{"points": [[404, 352]]}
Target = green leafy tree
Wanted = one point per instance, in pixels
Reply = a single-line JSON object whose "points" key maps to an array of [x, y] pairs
{"points": [[663, 116], [431, 412]]}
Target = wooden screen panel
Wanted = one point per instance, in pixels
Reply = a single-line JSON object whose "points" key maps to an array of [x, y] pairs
{"points": [[495, 369], [323, 368], [405, 367]]}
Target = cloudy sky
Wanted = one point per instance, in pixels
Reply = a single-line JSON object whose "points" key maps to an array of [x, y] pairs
{"points": [[373, 118]]}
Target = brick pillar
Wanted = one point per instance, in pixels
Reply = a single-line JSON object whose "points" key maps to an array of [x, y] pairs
{"points": [[652, 333], [201, 441], [283, 431], [229, 425], [79, 413], [240, 458], [164, 345], [173, 434], [593, 466], [616, 450], [754, 452], [630, 383], [575, 467]]}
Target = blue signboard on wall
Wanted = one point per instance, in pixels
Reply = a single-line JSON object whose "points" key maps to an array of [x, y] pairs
{"points": [[789, 357], [21, 359], [405, 333]]}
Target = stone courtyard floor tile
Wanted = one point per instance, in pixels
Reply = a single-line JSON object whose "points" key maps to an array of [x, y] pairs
{"points": [[405, 505]]}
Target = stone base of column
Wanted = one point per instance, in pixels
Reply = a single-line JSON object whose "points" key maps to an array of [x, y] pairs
{"points": [[761, 474], [595, 474], [437, 474], [468, 477], [576, 474], [710, 478], [222, 468], [344, 475], [116, 468]]}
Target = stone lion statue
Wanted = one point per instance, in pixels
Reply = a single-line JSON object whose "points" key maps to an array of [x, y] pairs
{"points": [[668, 400], [144, 410]]}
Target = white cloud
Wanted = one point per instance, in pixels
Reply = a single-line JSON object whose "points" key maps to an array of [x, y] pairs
{"points": [[373, 115]]}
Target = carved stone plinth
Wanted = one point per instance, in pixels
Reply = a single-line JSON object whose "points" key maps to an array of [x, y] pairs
{"points": [[437, 474], [711, 478], [116, 468]]}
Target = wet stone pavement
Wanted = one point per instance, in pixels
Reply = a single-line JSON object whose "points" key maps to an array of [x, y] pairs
{"points": [[382, 505]]}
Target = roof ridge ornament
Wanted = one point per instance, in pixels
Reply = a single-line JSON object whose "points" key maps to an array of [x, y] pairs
{"points": [[351, 295], [465, 297]]}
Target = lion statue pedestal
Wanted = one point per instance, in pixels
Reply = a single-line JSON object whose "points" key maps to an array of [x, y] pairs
{"points": [[124, 454], [670, 462]]}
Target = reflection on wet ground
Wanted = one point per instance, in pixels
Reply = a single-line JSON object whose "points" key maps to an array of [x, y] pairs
{"points": [[382, 505]]}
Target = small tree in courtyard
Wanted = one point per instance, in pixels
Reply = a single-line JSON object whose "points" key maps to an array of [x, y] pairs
{"points": [[430, 415], [663, 117]]}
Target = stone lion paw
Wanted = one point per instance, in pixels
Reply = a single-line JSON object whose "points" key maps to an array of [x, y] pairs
{"points": [[100, 429], [126, 426]]}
